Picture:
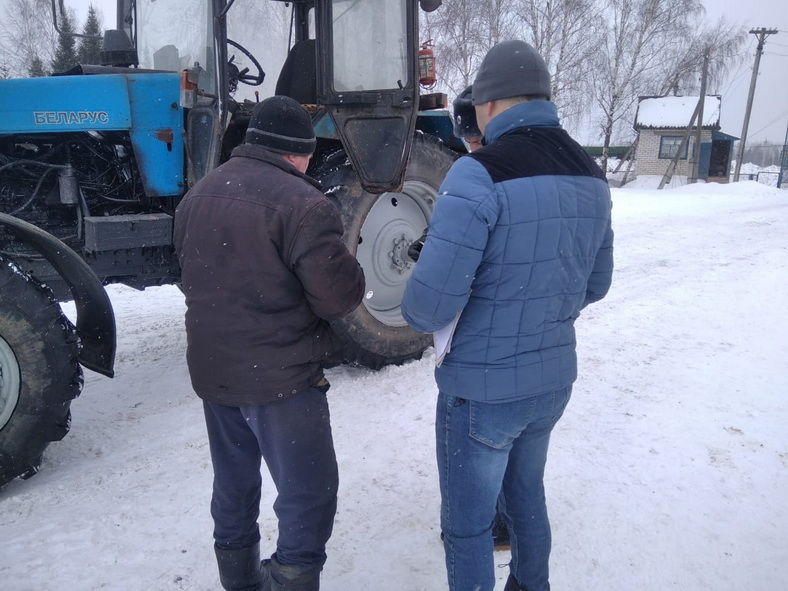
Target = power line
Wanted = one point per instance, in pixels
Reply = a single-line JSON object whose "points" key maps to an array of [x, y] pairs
{"points": [[741, 70], [780, 116], [736, 76], [733, 82]]}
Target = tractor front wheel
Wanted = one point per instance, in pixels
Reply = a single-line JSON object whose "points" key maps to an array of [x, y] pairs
{"points": [[39, 372], [378, 231]]}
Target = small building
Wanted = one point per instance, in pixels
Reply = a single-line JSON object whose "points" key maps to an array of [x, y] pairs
{"points": [[661, 123]]}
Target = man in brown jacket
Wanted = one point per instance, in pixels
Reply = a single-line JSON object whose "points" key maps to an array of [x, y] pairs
{"points": [[264, 269]]}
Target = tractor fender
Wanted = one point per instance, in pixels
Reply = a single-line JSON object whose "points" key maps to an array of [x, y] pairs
{"points": [[95, 318]]}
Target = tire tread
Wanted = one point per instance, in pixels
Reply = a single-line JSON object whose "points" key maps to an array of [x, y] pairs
{"points": [[51, 374]]}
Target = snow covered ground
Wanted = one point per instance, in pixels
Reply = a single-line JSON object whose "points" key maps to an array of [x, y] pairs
{"points": [[669, 469]]}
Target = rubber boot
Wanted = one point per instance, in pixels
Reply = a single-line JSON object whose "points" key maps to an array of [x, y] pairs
{"points": [[240, 569], [291, 577], [513, 585], [500, 534]]}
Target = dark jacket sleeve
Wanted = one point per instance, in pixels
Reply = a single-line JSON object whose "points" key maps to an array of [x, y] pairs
{"points": [[602, 274], [333, 280]]}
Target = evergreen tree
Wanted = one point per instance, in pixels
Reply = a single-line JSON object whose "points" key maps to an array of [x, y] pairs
{"points": [[65, 54], [89, 47], [36, 69]]}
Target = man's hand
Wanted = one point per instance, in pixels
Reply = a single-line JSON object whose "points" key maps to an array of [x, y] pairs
{"points": [[414, 250]]}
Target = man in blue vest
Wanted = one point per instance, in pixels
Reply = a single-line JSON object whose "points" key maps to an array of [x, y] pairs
{"points": [[520, 241]]}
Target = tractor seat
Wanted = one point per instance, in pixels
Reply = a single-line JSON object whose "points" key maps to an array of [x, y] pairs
{"points": [[298, 78]]}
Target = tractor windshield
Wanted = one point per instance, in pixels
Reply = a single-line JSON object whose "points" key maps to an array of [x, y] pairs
{"points": [[175, 35], [370, 45]]}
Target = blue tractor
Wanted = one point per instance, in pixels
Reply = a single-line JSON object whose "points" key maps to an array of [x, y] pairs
{"points": [[93, 162]]}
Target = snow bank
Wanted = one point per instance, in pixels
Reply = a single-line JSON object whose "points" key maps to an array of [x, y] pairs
{"points": [[652, 181]]}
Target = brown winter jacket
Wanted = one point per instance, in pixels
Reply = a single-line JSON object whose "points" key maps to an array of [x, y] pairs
{"points": [[263, 269]]}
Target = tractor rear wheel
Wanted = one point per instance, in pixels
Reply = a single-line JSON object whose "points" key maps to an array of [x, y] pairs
{"points": [[39, 372], [378, 231]]}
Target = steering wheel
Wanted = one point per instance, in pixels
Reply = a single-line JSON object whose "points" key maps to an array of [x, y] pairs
{"points": [[243, 75]]}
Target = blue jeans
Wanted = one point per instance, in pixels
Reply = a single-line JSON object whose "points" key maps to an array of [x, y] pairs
{"points": [[293, 436], [493, 456]]}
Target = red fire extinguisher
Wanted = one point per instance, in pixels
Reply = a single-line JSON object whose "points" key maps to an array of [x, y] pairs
{"points": [[427, 75]]}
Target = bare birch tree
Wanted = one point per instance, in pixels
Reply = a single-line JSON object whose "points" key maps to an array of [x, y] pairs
{"points": [[497, 21], [602, 54], [26, 31], [456, 30], [631, 54], [462, 32], [722, 41], [566, 34]]}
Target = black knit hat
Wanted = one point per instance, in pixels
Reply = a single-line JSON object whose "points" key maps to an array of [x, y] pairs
{"points": [[465, 115], [511, 68], [281, 125]]}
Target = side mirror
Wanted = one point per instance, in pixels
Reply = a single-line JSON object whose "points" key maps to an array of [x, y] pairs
{"points": [[55, 5]]}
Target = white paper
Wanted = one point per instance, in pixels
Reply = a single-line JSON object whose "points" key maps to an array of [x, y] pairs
{"points": [[442, 339]]}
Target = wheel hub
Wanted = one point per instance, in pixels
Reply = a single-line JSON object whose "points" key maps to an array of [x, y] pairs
{"points": [[400, 260], [9, 382], [393, 223]]}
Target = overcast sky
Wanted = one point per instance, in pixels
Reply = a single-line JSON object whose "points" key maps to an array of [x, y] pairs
{"points": [[770, 108]]}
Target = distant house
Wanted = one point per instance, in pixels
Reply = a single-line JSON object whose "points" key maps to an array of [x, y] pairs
{"points": [[661, 123]]}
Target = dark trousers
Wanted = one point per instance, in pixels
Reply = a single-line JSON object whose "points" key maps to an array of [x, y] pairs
{"points": [[293, 436]]}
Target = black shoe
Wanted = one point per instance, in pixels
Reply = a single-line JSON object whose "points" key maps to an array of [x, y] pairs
{"points": [[500, 534], [240, 568], [291, 577], [513, 585]]}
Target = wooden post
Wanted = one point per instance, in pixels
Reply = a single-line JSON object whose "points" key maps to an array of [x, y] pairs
{"points": [[695, 169], [672, 166]]}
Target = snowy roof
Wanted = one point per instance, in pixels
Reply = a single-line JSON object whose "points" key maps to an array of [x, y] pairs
{"points": [[675, 112]]}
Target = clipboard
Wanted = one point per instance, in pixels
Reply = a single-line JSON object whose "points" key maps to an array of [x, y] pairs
{"points": [[442, 339]]}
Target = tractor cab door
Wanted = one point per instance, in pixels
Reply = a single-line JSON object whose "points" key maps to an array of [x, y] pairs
{"points": [[367, 83]]}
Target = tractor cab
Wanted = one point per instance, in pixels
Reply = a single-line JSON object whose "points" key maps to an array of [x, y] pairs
{"points": [[351, 63]]}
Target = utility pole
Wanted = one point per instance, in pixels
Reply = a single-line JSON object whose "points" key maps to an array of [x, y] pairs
{"points": [[783, 162], [695, 168], [761, 33]]}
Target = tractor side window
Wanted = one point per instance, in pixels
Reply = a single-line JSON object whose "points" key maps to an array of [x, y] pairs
{"points": [[169, 40], [312, 25], [370, 40]]}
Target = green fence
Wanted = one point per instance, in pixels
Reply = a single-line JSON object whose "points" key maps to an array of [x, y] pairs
{"points": [[613, 151]]}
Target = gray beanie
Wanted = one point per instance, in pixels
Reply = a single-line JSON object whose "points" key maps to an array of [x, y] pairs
{"points": [[511, 68]]}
